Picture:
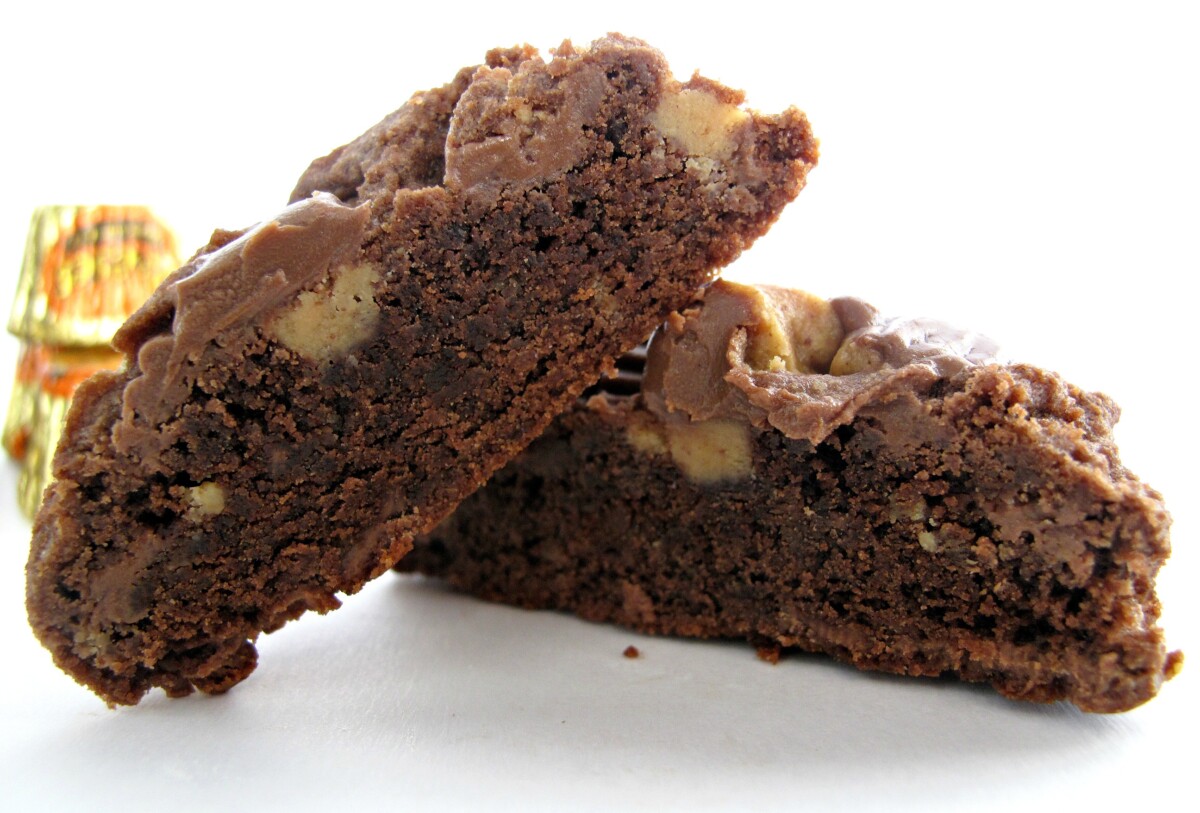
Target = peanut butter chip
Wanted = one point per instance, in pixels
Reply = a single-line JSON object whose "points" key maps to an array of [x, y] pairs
{"points": [[92, 643], [855, 357], [698, 123], [206, 500], [799, 333], [646, 438], [328, 322], [711, 451]]}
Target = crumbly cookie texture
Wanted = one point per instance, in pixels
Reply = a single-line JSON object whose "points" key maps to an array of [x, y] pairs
{"points": [[883, 491], [304, 397]]}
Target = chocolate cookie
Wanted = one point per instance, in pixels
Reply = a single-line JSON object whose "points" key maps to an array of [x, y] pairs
{"points": [[302, 398], [803, 473]]}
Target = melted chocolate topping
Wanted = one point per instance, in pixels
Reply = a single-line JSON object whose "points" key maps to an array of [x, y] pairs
{"points": [[697, 367]]}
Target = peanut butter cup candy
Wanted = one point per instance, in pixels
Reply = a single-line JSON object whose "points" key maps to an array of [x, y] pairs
{"points": [[804, 473], [303, 398]]}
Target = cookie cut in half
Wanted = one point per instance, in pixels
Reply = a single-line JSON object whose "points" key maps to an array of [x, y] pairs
{"points": [[302, 398], [804, 473]]}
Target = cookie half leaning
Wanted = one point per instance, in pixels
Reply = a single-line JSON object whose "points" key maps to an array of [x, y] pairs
{"points": [[804, 473], [302, 398]]}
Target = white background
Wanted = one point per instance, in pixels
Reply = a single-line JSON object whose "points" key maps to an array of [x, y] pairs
{"points": [[1026, 169]]}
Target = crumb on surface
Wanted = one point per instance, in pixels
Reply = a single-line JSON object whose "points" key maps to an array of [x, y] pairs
{"points": [[631, 651], [768, 653]]}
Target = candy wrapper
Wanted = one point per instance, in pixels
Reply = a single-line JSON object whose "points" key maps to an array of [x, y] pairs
{"points": [[86, 269]]}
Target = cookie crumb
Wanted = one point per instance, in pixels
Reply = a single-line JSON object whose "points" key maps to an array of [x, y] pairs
{"points": [[631, 651], [768, 653]]}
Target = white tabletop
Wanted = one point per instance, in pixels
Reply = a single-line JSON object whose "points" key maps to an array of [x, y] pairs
{"points": [[1030, 172]]}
